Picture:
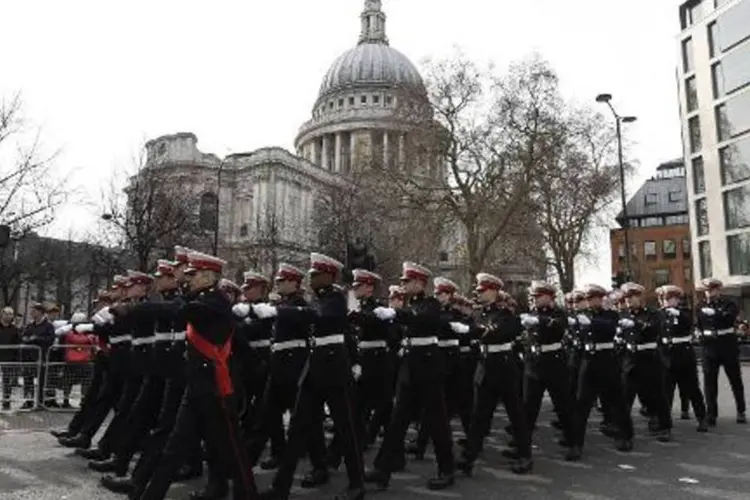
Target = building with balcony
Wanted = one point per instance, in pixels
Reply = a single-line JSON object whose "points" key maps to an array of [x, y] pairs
{"points": [[658, 231], [713, 79]]}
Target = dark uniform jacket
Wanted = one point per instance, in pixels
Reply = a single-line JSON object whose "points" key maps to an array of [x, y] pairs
{"points": [[422, 317], [500, 327], [253, 346], [716, 342], [376, 362], [329, 364], [291, 323], [646, 332], [601, 332]]}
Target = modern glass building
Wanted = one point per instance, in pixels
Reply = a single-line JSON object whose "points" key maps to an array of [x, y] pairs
{"points": [[714, 88]]}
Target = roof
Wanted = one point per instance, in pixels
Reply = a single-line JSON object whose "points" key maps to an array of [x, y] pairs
{"points": [[659, 196]]}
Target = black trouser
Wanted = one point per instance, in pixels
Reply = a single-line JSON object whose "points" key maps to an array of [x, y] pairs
{"points": [[375, 390], [106, 400], [683, 374], [75, 373], [428, 394], [730, 360], [131, 388], [174, 389], [643, 375], [215, 418], [306, 420], [10, 379], [142, 417], [88, 402], [548, 372], [277, 399], [502, 384], [599, 377], [574, 368]]}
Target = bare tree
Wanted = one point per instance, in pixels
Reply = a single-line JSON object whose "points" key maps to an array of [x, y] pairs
{"points": [[479, 141], [579, 183], [151, 214]]}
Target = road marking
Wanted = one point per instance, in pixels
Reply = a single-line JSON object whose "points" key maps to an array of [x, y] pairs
{"points": [[523, 478], [626, 467], [441, 494], [644, 481], [688, 480]]}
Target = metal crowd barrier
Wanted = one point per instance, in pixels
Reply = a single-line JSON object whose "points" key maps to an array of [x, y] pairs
{"points": [[67, 373], [21, 377]]}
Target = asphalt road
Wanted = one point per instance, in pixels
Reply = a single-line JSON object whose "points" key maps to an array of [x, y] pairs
{"points": [[693, 466]]}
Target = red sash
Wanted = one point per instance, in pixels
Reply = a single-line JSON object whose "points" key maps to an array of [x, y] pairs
{"points": [[220, 357]]}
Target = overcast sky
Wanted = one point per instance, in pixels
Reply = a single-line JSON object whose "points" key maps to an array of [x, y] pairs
{"points": [[100, 77]]}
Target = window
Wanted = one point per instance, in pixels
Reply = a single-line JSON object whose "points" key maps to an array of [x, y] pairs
{"points": [[162, 149], [244, 230], [661, 277], [694, 129], [675, 220], [351, 101], [733, 116], [652, 198], [737, 207], [701, 217], [686, 247], [687, 55], [208, 214], [731, 27], [735, 161], [712, 40], [651, 222], [341, 103], [738, 250], [363, 99], [733, 72], [376, 99], [691, 94], [443, 256], [330, 105], [704, 253], [649, 249], [670, 249], [699, 176], [675, 196], [388, 100]]}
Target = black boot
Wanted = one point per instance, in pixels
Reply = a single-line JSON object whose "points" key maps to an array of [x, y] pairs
{"points": [[109, 465], [61, 433], [188, 472], [441, 481], [741, 418], [465, 466], [315, 478], [122, 485], [573, 454], [702, 425], [270, 463], [212, 491], [624, 445], [523, 465], [664, 436], [96, 454], [378, 478], [79, 441]]}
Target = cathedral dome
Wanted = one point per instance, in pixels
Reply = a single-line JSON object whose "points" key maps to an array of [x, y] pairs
{"points": [[372, 63]]}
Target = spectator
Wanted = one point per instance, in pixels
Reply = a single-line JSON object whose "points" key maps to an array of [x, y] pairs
{"points": [[79, 354], [40, 333], [10, 337]]}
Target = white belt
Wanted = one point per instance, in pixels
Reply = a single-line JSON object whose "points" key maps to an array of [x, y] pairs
{"points": [[448, 343], [327, 340], [255, 344], [288, 344], [120, 339], [550, 347], [144, 341], [164, 336], [465, 349], [680, 340], [419, 341], [373, 344], [180, 335], [648, 346], [495, 348], [711, 333], [604, 346]]}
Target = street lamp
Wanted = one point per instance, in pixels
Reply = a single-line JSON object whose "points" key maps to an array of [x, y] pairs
{"points": [[619, 120], [216, 208]]}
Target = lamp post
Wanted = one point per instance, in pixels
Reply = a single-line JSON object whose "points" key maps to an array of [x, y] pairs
{"points": [[619, 120], [218, 197]]}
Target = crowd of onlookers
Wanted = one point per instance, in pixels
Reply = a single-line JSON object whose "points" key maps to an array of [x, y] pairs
{"points": [[29, 355]]}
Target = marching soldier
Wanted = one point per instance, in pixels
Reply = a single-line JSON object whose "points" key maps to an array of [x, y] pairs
{"points": [[599, 375], [642, 367], [326, 379], [206, 408], [716, 322], [497, 376], [677, 349], [376, 360], [467, 364], [420, 381], [546, 368]]}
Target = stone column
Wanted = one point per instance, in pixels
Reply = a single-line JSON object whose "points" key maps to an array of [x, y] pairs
{"points": [[337, 153], [324, 153], [401, 149], [352, 150], [314, 151], [385, 149]]}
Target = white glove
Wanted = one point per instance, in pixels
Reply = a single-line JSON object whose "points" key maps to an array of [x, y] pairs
{"points": [[356, 371], [708, 311], [63, 330], [626, 323], [459, 328], [384, 313], [84, 328], [529, 320], [264, 311], [241, 309], [572, 321], [103, 317], [583, 320], [58, 323], [673, 312]]}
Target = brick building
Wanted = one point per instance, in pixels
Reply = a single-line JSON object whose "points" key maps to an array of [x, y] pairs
{"points": [[659, 232]]}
